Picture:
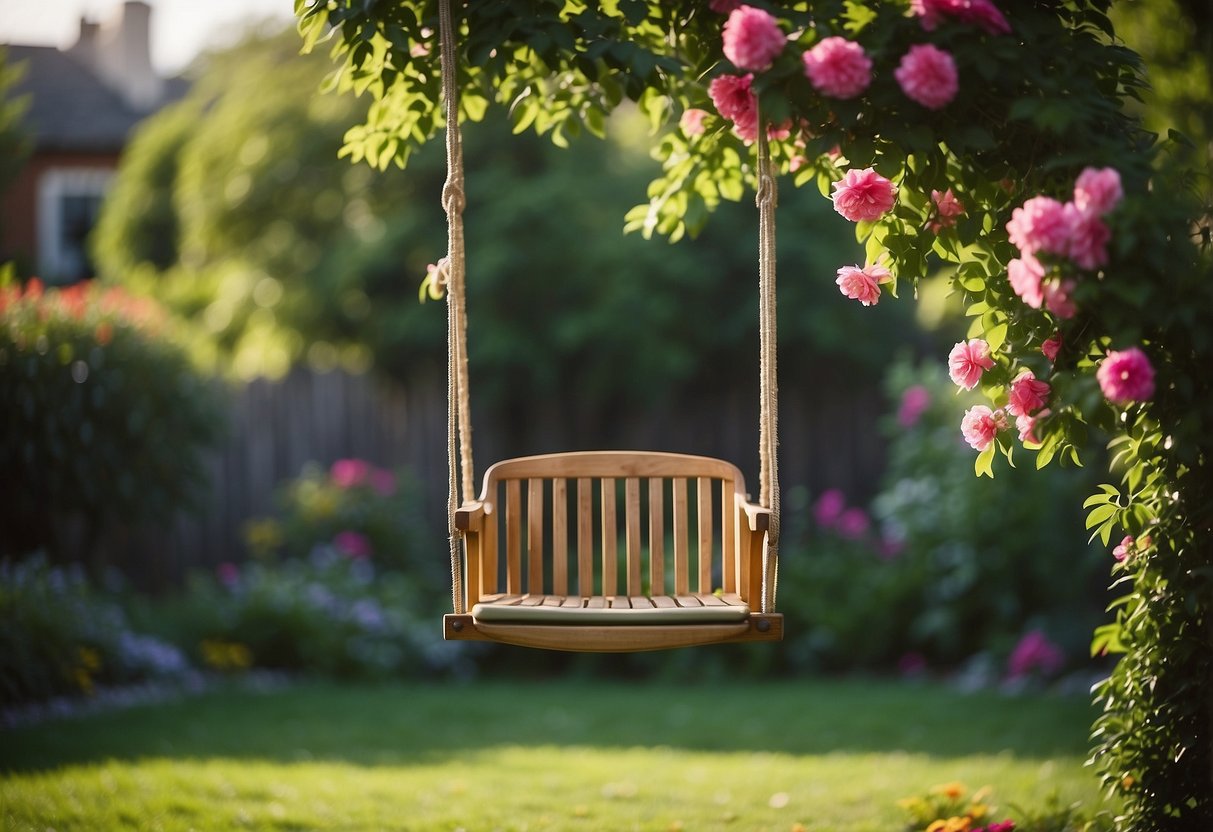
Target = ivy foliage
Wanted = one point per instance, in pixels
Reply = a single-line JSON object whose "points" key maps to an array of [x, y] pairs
{"points": [[1035, 107]]}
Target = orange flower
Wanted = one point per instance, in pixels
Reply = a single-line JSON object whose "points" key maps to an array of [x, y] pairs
{"points": [[953, 790]]}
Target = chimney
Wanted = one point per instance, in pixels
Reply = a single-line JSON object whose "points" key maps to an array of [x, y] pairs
{"points": [[122, 54], [85, 47]]}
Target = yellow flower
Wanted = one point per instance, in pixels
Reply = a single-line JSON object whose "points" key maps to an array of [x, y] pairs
{"points": [[90, 659], [263, 536], [226, 655], [977, 811], [952, 824]]}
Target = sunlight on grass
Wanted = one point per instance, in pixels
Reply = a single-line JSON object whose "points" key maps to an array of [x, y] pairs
{"points": [[560, 756]]}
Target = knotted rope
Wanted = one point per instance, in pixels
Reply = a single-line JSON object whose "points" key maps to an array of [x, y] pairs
{"points": [[459, 416], [767, 199]]}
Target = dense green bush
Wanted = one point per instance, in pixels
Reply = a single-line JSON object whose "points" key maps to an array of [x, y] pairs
{"points": [[102, 419], [945, 566], [330, 613], [59, 636]]}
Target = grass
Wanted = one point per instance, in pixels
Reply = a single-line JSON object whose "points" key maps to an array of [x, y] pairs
{"points": [[531, 756]]}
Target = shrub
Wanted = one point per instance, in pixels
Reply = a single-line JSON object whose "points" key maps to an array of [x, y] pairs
{"points": [[59, 636], [329, 613], [102, 419], [946, 566]]}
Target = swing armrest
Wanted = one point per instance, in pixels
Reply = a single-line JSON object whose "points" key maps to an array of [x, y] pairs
{"points": [[759, 518], [470, 516]]}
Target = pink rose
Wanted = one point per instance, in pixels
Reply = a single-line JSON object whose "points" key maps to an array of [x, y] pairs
{"points": [[853, 524], [829, 508], [1125, 548], [1027, 394], [1058, 298], [947, 209], [863, 284], [692, 121], [1098, 190], [1041, 224], [914, 401], [1026, 425], [1026, 275], [1035, 652], [1089, 237], [733, 97], [752, 38], [979, 427], [838, 67], [1051, 346], [353, 545], [863, 195], [928, 76], [347, 473], [1126, 376], [982, 13], [967, 361]]}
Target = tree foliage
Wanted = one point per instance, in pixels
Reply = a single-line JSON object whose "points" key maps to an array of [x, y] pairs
{"points": [[1039, 101]]}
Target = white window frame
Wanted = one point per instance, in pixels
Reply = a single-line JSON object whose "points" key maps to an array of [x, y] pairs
{"points": [[53, 186]]}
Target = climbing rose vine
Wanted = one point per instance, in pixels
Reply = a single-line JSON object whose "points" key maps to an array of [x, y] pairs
{"points": [[985, 142]]}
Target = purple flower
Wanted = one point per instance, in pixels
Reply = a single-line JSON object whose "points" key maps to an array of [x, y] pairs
{"points": [[853, 523], [1035, 653], [829, 508], [228, 573], [354, 545]]}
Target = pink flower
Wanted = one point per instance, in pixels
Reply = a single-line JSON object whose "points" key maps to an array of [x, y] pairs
{"points": [[383, 482], [829, 508], [347, 473], [1098, 190], [752, 38], [863, 284], [1041, 224], [853, 524], [967, 361], [1058, 298], [1027, 394], [1051, 346], [353, 545], [912, 664], [863, 195], [1035, 652], [890, 548], [914, 401], [947, 209], [1125, 548], [228, 574], [1002, 826], [838, 67], [1026, 425], [724, 6], [979, 427], [1089, 237], [733, 97], [983, 13], [928, 76], [1026, 275], [692, 121], [1126, 376]]}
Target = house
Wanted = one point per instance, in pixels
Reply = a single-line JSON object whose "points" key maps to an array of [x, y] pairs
{"points": [[83, 104]]}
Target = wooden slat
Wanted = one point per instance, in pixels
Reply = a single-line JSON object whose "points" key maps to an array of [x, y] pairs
{"points": [[596, 602], [534, 535], [530, 600], [513, 535], [473, 560], [681, 585], [632, 513], [573, 601], [488, 575], [560, 537], [585, 536], [663, 601], [704, 513], [656, 536], [610, 545], [688, 601], [612, 464], [553, 600], [640, 602], [710, 600], [620, 602], [728, 541]]}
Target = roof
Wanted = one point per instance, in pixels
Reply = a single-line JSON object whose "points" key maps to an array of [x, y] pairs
{"points": [[70, 108]]}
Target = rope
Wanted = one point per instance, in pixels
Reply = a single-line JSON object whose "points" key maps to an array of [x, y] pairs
{"points": [[768, 420], [459, 417]]}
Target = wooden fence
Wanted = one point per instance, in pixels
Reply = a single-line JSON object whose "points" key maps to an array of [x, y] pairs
{"points": [[277, 428]]}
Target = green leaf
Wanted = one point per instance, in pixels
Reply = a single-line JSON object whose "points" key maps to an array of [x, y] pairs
{"points": [[1107, 640], [1100, 514]]}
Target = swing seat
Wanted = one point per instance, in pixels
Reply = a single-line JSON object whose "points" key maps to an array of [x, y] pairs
{"points": [[689, 571]]}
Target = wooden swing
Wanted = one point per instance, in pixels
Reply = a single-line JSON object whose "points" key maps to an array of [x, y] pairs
{"points": [[721, 587]]}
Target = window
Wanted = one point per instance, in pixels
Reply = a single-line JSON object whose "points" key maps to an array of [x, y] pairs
{"points": [[69, 200]]}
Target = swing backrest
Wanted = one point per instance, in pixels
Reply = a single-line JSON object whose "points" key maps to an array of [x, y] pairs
{"points": [[613, 523]]}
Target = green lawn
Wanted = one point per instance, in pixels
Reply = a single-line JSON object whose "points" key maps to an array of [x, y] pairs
{"points": [[532, 756]]}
